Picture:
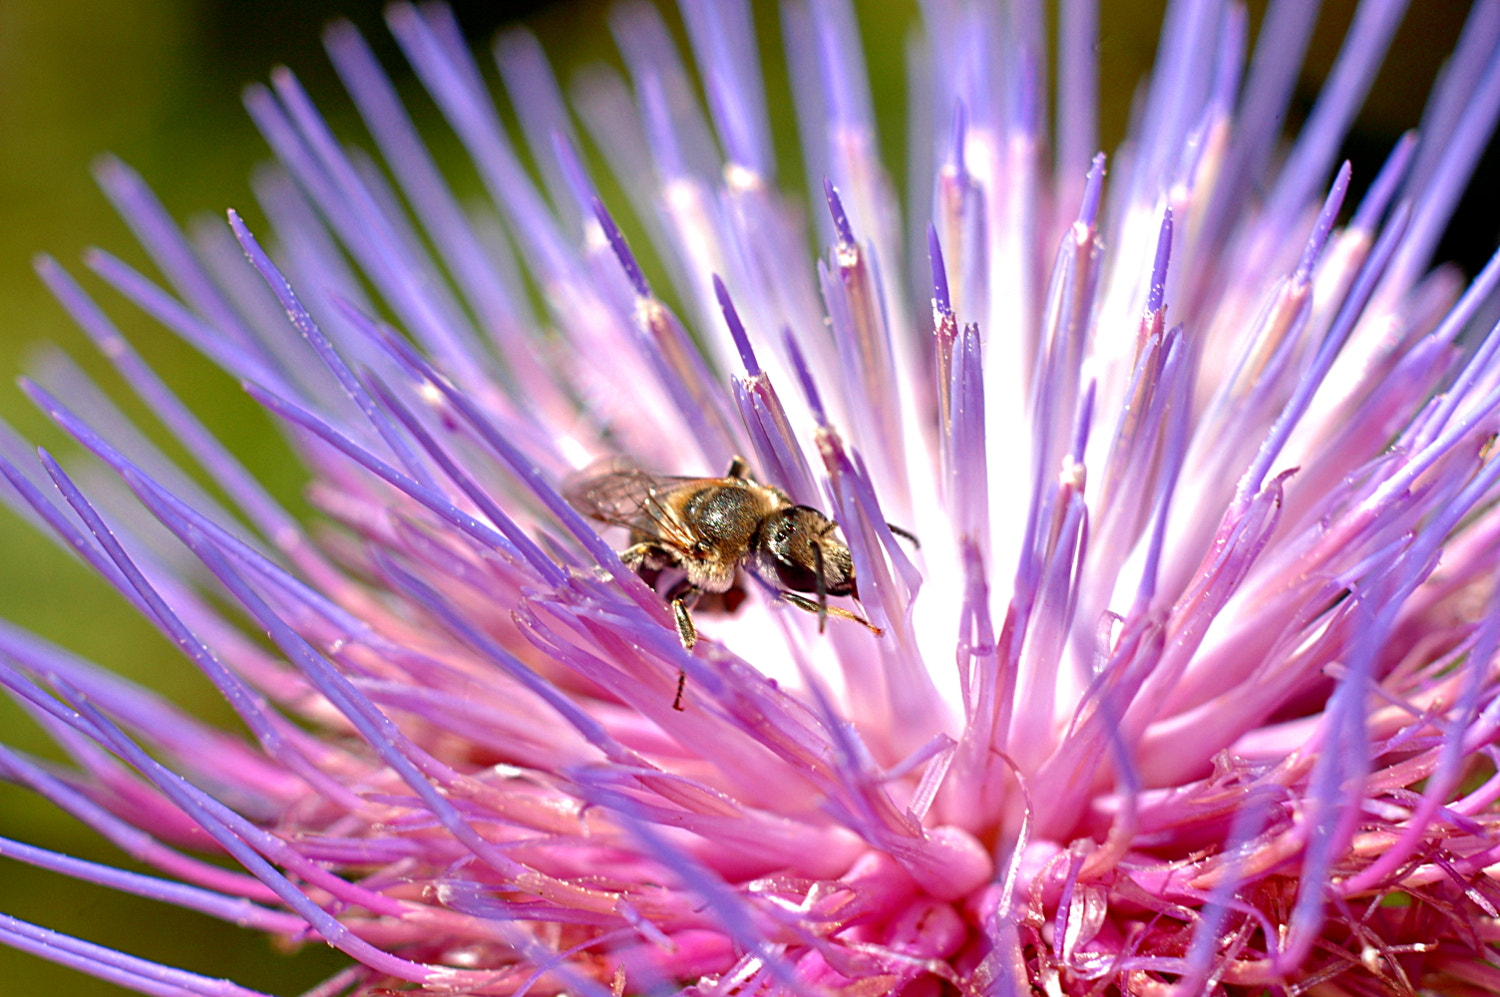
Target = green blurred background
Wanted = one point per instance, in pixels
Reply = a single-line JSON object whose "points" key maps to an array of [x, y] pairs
{"points": [[157, 82]]}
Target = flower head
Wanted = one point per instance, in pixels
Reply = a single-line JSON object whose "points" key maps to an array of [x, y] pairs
{"points": [[1190, 684]]}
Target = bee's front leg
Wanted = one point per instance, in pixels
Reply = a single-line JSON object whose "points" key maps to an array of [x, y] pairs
{"points": [[808, 605], [648, 555]]}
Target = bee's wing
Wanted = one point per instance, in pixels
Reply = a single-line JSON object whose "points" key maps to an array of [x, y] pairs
{"points": [[634, 499]]}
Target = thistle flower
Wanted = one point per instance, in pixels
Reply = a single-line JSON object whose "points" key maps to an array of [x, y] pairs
{"points": [[1190, 687]]}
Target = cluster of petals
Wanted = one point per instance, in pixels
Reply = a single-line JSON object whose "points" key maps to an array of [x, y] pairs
{"points": [[1192, 684]]}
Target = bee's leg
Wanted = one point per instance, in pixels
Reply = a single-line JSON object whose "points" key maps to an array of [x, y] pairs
{"points": [[738, 469], [682, 596], [806, 604], [907, 535], [686, 631], [649, 559], [822, 587], [688, 634], [648, 556]]}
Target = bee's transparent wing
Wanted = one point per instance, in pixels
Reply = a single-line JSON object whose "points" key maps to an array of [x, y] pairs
{"points": [[635, 499]]}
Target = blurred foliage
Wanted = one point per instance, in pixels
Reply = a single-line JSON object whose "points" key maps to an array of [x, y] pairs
{"points": [[157, 82]]}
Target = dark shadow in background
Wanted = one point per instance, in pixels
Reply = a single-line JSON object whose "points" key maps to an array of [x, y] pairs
{"points": [[239, 40]]}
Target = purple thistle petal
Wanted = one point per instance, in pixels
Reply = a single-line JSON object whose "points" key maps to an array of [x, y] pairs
{"points": [[650, 52], [413, 767], [1077, 90], [1377, 199], [805, 379], [1324, 224], [518, 464], [454, 84], [324, 349], [1189, 683], [1455, 321], [723, 36], [965, 453], [621, 250], [1369, 275], [700, 400], [1306, 167], [1279, 51], [207, 339], [777, 449], [1157, 295], [107, 964], [269, 730], [226, 908], [418, 176], [425, 496], [871, 392], [836, 211], [1440, 192], [388, 250], [941, 303], [668, 349], [544, 117], [125, 835], [162, 238], [1454, 87], [238, 836], [736, 329]]}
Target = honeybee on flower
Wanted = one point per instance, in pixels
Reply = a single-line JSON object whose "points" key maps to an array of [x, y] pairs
{"points": [[1189, 688]]}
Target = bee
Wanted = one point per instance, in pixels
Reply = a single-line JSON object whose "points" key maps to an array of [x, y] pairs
{"points": [[706, 529]]}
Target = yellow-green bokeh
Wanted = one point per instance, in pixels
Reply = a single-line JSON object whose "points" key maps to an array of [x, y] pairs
{"points": [[157, 82]]}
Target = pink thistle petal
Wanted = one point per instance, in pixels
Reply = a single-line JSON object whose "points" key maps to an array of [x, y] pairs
{"points": [[1145, 638]]}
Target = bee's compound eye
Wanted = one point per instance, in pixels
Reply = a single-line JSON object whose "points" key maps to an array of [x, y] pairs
{"points": [[801, 543]]}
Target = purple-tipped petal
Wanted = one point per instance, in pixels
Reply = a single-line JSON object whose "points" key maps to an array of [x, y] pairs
{"points": [[940, 299], [1035, 642], [621, 250], [736, 328], [836, 211]]}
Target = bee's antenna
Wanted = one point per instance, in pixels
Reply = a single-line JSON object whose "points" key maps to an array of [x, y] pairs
{"points": [[822, 587]]}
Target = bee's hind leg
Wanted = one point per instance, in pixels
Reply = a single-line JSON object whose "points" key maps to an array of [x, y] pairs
{"points": [[682, 596], [810, 606], [649, 559], [686, 631]]}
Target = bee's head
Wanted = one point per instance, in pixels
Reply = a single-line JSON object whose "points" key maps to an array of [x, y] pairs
{"points": [[799, 541]]}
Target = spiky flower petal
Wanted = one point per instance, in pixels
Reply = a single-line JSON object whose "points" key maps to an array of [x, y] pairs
{"points": [[1191, 685]]}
